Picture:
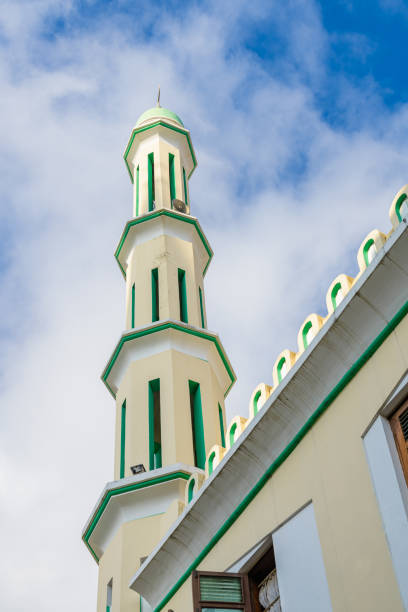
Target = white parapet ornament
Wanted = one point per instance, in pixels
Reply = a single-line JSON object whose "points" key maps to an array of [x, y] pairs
{"points": [[235, 429], [337, 291], [282, 365], [399, 207], [259, 396], [308, 330], [214, 457], [369, 248], [193, 485]]}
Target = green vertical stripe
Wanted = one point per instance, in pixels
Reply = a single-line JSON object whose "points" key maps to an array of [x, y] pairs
{"points": [[197, 424], [155, 294], [221, 417], [122, 440], [150, 180], [172, 179], [305, 332], [185, 187], [133, 305], [154, 450], [182, 296], [201, 307], [137, 191], [151, 427]]}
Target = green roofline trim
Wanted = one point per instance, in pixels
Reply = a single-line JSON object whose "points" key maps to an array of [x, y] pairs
{"points": [[180, 130], [329, 399], [166, 213], [160, 327], [119, 491]]}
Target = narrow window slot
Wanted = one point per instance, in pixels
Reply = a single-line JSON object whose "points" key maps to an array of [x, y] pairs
{"points": [[122, 440], [155, 294], [155, 444], [133, 305], [182, 295], [150, 178], [197, 424], [172, 179]]}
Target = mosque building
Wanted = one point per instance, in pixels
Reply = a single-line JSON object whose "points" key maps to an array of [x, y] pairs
{"points": [[302, 507]]}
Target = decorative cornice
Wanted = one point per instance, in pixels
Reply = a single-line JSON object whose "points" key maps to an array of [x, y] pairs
{"points": [[341, 349], [180, 130], [164, 213], [127, 485], [160, 326]]}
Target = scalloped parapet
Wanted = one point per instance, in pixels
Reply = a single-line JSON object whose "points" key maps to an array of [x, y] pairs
{"points": [[338, 289]]}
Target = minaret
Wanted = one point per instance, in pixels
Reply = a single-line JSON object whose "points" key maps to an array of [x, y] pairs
{"points": [[168, 374]]}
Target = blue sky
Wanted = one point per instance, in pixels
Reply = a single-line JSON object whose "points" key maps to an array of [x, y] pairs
{"points": [[299, 117]]}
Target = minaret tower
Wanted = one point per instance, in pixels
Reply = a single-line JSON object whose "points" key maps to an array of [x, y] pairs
{"points": [[168, 374]]}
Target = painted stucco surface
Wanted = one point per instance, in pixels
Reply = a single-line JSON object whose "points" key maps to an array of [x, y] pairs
{"points": [[330, 468]]}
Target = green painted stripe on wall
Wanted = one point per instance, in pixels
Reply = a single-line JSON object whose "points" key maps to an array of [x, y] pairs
{"points": [[122, 439]]}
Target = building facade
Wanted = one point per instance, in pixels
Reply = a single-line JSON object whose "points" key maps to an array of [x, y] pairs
{"points": [[304, 505]]}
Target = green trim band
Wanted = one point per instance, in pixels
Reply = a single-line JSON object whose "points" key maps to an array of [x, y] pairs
{"points": [[126, 489], [154, 215], [185, 133], [221, 417], [161, 327], [308, 326], [329, 399], [279, 368]]}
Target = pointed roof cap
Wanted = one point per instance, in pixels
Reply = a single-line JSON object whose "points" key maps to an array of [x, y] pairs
{"points": [[158, 112]]}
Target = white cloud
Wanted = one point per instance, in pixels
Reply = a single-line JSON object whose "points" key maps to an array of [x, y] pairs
{"points": [[284, 199]]}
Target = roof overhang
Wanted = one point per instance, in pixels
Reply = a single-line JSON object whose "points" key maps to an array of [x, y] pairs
{"points": [[180, 133], [161, 222], [129, 499], [162, 336], [375, 305]]}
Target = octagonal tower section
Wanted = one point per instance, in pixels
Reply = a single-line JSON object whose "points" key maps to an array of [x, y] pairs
{"points": [[168, 374]]}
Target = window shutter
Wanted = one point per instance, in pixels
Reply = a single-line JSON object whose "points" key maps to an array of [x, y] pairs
{"points": [[221, 592], [221, 589], [399, 426]]}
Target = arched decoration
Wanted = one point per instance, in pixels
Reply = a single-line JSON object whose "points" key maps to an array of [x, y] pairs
{"points": [[235, 429], [369, 248], [214, 457], [211, 460], [369, 251], [193, 484], [190, 490], [282, 365], [309, 329], [337, 291], [232, 433], [399, 207], [259, 396]]}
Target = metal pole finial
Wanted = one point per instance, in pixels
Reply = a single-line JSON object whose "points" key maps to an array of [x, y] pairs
{"points": [[158, 98]]}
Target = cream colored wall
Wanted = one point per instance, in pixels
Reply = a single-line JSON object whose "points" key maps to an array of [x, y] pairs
{"points": [[154, 142], [174, 369], [168, 254], [133, 540], [330, 468]]}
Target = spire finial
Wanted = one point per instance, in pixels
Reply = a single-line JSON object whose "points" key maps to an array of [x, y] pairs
{"points": [[158, 98]]}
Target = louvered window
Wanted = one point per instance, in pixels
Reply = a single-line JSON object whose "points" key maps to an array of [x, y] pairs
{"points": [[220, 592], [399, 426]]}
